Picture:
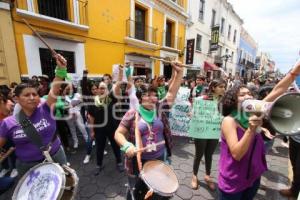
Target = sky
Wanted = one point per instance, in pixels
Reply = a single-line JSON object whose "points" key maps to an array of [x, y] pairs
{"points": [[275, 26]]}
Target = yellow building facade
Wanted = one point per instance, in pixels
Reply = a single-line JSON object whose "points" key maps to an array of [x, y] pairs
{"points": [[95, 34], [9, 69]]}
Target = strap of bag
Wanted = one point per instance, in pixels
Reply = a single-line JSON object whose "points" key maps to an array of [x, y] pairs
{"points": [[32, 133]]}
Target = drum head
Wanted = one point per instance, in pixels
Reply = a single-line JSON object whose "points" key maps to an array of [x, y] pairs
{"points": [[160, 177], [44, 181]]}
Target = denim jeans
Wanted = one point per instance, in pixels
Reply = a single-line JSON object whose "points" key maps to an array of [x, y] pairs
{"points": [[89, 141], [5, 184], [247, 194]]}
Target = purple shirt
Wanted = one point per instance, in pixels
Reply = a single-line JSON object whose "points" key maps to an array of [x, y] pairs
{"points": [[44, 124], [233, 173], [157, 128]]}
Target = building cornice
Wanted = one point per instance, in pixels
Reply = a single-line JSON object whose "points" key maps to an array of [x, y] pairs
{"points": [[40, 17]]}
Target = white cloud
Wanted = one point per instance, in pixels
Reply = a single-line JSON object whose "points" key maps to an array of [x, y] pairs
{"points": [[274, 24]]}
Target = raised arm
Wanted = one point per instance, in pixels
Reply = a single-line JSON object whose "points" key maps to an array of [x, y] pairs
{"points": [[60, 75], [284, 84], [117, 86], [174, 84]]}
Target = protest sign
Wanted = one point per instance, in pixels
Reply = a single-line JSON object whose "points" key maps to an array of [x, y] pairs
{"points": [[206, 120], [179, 116]]}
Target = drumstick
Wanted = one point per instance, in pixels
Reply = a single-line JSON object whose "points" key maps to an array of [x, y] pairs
{"points": [[168, 61], [6, 154], [150, 146], [40, 37]]}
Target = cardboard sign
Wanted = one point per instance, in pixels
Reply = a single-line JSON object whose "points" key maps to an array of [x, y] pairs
{"points": [[179, 116], [206, 120]]}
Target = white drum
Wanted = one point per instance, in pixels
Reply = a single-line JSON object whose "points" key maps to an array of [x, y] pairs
{"points": [[47, 181]]}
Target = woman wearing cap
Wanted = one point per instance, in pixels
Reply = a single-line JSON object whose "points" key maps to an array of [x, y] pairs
{"points": [[147, 125]]}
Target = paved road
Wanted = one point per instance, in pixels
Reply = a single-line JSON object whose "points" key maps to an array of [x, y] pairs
{"points": [[110, 184]]}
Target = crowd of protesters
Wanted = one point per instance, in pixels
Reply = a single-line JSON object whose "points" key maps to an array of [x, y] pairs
{"points": [[101, 109]]}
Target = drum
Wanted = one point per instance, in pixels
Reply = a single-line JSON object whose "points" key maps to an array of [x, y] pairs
{"points": [[47, 181], [159, 177]]}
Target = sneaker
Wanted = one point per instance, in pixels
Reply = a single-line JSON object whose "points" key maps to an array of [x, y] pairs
{"points": [[98, 170], [14, 173], [108, 142], [120, 167], [285, 144], [86, 159], [94, 143], [105, 152], [75, 145], [3, 172]]}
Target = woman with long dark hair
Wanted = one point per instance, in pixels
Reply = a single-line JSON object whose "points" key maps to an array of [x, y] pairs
{"points": [[207, 147]]}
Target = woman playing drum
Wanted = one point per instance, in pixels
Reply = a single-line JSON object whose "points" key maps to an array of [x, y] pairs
{"points": [[28, 154], [152, 128]]}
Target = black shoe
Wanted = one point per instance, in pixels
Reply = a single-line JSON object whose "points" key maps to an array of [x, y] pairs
{"points": [[98, 170], [71, 151]]}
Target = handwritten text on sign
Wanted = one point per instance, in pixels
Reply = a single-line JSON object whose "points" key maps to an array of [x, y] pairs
{"points": [[206, 120], [179, 119]]}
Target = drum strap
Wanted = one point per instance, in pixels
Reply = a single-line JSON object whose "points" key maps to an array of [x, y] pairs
{"points": [[32, 133], [138, 142]]}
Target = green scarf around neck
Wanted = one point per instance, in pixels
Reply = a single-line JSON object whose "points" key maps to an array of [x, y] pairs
{"points": [[147, 115], [199, 89], [100, 102], [241, 117]]}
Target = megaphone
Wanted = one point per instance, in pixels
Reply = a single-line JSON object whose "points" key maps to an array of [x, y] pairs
{"points": [[283, 114]]}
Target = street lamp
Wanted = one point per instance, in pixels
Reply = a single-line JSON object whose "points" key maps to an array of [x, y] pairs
{"points": [[225, 57]]}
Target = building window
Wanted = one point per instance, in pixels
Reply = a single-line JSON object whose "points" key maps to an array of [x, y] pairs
{"points": [[201, 10], [229, 32], [213, 18], [226, 52], [54, 8], [234, 36], [232, 54], [198, 42], [48, 63], [222, 25], [169, 31], [140, 23]]}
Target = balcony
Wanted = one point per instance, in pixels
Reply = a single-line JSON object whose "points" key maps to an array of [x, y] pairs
{"points": [[67, 12], [178, 2], [171, 42], [141, 35]]}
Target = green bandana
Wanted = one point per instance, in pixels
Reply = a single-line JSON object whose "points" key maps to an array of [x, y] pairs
{"points": [[161, 92], [101, 102], [147, 115], [241, 117], [199, 89]]}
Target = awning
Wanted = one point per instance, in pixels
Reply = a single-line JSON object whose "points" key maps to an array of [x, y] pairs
{"points": [[210, 66]]}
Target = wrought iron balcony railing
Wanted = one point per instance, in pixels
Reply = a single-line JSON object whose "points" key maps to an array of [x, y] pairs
{"points": [[171, 41], [141, 31]]}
